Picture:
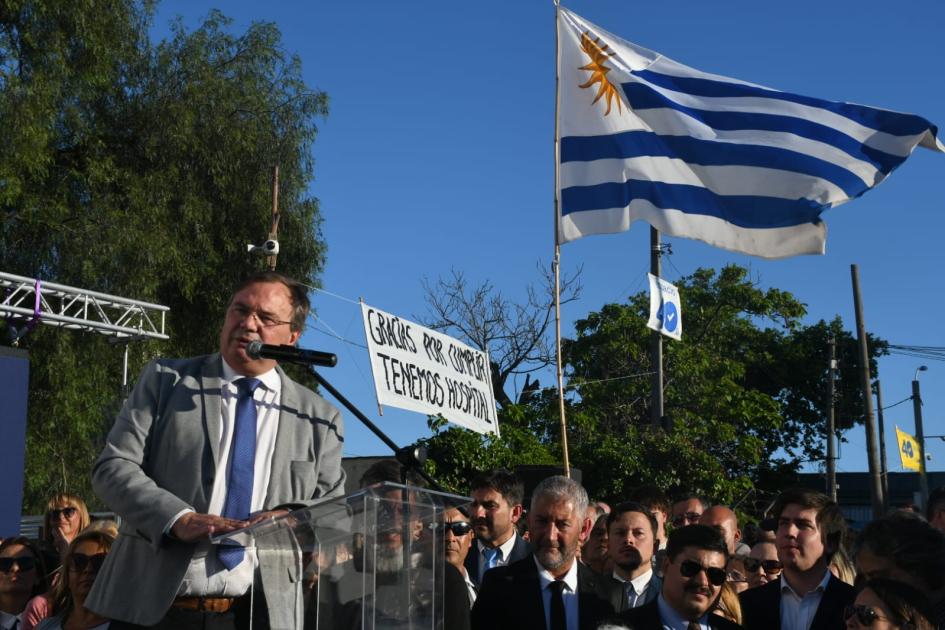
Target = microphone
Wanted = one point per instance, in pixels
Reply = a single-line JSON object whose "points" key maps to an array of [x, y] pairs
{"points": [[290, 354]]}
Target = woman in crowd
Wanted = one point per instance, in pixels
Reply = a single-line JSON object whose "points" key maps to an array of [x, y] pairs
{"points": [[66, 516], [22, 576], [889, 605], [81, 564]]}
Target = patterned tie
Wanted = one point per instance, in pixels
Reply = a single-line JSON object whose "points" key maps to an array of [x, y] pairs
{"points": [[239, 487], [492, 560], [559, 620]]}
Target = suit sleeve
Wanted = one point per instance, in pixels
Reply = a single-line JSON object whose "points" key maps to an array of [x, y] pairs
{"points": [[119, 476]]}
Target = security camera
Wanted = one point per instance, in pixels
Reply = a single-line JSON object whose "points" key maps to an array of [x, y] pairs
{"points": [[269, 248]]}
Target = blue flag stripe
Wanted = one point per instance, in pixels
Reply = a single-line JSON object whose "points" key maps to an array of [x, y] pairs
{"points": [[642, 97], [630, 144], [895, 123], [742, 211]]}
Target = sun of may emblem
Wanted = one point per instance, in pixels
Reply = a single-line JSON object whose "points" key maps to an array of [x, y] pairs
{"points": [[598, 51]]}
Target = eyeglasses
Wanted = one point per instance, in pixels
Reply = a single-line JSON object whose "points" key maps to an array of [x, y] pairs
{"points": [[772, 567], [265, 320], [735, 576], [459, 528], [24, 562], [691, 568], [68, 512], [689, 518], [80, 561], [864, 615]]}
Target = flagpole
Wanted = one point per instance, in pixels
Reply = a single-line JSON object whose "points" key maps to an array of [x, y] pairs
{"points": [[656, 340], [557, 258]]}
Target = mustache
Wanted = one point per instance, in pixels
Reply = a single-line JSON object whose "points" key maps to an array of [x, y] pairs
{"points": [[698, 589]]}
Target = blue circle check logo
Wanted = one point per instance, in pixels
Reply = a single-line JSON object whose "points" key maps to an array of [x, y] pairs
{"points": [[668, 316]]}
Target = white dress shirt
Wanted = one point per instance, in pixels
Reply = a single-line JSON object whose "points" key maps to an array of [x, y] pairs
{"points": [[569, 594], [505, 550], [7, 620], [797, 611], [206, 575], [640, 584]]}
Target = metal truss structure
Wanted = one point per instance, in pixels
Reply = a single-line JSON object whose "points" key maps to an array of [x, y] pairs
{"points": [[34, 301]]}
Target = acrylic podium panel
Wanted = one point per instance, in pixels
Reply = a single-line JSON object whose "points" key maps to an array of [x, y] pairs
{"points": [[369, 561]]}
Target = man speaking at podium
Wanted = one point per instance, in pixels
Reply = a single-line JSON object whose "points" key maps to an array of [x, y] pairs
{"points": [[204, 446]]}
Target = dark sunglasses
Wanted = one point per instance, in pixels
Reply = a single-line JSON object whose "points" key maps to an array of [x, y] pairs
{"points": [[864, 614], [459, 528], [770, 566], [690, 518], [691, 568], [24, 562], [68, 512], [80, 561]]}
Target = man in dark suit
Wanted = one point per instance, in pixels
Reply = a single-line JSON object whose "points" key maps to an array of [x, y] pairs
{"points": [[631, 543], [204, 446], [693, 574], [550, 588], [806, 596], [496, 508]]}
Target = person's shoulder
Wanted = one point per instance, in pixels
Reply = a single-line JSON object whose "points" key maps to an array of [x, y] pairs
{"points": [[49, 623], [721, 623], [645, 616], [840, 588], [761, 593]]}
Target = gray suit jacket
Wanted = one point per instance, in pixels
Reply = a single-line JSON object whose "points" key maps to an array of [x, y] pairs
{"points": [[160, 458]]}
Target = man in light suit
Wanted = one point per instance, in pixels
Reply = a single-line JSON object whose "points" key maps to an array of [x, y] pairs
{"points": [[167, 470]]}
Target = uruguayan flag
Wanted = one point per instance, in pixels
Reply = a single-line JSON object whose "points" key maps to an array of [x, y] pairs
{"points": [[697, 155]]}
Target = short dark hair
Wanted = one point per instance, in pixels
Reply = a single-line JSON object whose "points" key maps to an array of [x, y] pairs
{"points": [[298, 292], [703, 537], [632, 506], [935, 503], [41, 585], [504, 482], [688, 497], [830, 519], [652, 498], [908, 542]]}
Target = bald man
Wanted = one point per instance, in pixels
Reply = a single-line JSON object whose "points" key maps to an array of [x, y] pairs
{"points": [[725, 519]]}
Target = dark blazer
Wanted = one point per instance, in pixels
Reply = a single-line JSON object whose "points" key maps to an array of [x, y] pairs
{"points": [[619, 600], [647, 617], [761, 606], [510, 599], [520, 550]]}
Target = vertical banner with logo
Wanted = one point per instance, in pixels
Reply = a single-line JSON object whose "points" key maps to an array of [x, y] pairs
{"points": [[665, 309], [908, 451], [422, 370], [14, 391]]}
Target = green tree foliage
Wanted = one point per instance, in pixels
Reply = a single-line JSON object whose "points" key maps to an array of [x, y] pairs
{"points": [[745, 392], [140, 169]]}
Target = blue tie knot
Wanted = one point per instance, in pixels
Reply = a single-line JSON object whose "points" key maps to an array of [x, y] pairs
{"points": [[246, 386]]}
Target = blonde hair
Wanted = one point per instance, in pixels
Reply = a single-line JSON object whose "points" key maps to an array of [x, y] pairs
{"points": [[61, 500], [841, 566], [61, 599], [727, 605]]}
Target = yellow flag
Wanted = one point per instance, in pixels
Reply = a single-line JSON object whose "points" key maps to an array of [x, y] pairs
{"points": [[908, 450]]}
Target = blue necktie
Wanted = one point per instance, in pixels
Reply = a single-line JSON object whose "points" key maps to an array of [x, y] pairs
{"points": [[492, 560], [239, 486]]}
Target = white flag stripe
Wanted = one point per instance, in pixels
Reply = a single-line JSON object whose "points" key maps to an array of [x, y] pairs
{"points": [[802, 239], [722, 180]]}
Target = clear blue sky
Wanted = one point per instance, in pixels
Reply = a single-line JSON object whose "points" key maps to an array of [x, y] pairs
{"points": [[437, 154]]}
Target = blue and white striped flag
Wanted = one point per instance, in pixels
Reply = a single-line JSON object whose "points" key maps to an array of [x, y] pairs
{"points": [[697, 155]]}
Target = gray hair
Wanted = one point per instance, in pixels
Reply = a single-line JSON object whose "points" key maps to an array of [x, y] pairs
{"points": [[560, 488]]}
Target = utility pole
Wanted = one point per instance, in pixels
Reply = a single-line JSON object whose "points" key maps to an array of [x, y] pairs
{"points": [[831, 425], [920, 438], [876, 485], [884, 470], [656, 341]]}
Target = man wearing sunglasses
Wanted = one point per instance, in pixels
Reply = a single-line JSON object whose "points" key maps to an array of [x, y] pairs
{"points": [[807, 596], [22, 576], [458, 537], [762, 565], [204, 446], [693, 574], [688, 509]]}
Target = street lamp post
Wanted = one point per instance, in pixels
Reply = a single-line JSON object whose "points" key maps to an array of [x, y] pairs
{"points": [[919, 437]]}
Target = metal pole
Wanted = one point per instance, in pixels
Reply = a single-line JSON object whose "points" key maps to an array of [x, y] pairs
{"points": [[920, 438], [656, 342], [876, 485], [831, 426], [884, 470]]}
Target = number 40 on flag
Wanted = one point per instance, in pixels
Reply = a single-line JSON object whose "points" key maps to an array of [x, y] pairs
{"points": [[665, 310]]}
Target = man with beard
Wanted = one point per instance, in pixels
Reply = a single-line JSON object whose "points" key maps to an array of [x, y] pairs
{"points": [[807, 596], [631, 533], [693, 575], [496, 508], [550, 588]]}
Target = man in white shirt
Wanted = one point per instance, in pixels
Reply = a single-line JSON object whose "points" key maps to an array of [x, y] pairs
{"points": [[458, 537], [495, 510], [806, 596], [550, 588], [631, 533]]}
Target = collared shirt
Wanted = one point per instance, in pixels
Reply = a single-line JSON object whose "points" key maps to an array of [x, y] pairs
{"points": [[470, 587], [505, 550], [7, 620], [672, 620], [797, 611], [640, 584], [569, 594], [206, 575]]}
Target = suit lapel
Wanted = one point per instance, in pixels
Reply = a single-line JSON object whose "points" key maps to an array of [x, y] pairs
{"points": [[211, 393], [288, 400], [828, 606]]}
